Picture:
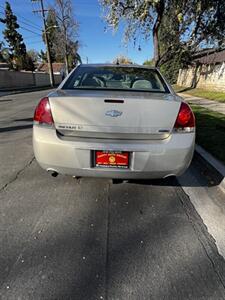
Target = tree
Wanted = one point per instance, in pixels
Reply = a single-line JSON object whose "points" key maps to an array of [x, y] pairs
{"points": [[32, 59], [62, 33], [149, 62], [66, 45], [4, 54], [1, 52], [199, 23], [34, 55], [73, 55], [17, 48], [174, 54], [43, 56], [121, 59], [29, 63], [53, 32]]}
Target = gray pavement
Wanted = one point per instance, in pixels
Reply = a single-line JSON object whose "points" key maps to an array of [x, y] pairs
{"points": [[62, 238], [206, 103], [16, 119]]}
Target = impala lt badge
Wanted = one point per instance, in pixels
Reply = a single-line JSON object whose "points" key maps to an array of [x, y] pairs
{"points": [[113, 113]]}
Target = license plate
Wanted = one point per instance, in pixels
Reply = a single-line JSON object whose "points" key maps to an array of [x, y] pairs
{"points": [[112, 159]]}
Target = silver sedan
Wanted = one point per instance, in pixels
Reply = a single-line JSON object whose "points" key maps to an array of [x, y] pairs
{"points": [[116, 121]]}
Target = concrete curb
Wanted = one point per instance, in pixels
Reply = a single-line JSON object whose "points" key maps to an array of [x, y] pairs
{"points": [[216, 164]]}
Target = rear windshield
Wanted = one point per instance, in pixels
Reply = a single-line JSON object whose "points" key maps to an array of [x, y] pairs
{"points": [[116, 78]]}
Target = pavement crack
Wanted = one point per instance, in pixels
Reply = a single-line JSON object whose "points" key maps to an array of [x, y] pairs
{"points": [[205, 239], [17, 174]]}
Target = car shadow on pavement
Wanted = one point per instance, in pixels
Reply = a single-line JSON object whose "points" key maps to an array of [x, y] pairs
{"points": [[199, 174], [6, 100], [24, 120], [15, 128]]}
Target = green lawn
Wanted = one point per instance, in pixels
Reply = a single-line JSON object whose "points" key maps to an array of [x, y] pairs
{"points": [[210, 131], [212, 95]]}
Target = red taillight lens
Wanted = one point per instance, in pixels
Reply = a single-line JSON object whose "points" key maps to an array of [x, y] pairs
{"points": [[43, 113], [185, 118]]}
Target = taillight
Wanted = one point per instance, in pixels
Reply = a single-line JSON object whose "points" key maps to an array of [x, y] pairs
{"points": [[185, 119], [43, 113]]}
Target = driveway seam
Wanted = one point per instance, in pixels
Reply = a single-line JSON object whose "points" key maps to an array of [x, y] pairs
{"points": [[107, 245]]}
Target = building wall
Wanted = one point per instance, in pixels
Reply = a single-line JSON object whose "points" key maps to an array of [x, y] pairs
{"points": [[42, 78], [14, 79], [209, 77]]}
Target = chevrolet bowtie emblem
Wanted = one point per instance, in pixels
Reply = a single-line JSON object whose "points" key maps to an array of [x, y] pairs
{"points": [[113, 113]]}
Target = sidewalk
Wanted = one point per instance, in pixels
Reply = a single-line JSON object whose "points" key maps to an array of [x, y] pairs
{"points": [[206, 103]]}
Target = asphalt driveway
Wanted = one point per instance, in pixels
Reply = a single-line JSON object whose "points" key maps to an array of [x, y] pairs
{"points": [[63, 238]]}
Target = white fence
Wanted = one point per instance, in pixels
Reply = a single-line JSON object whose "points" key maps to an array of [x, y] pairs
{"points": [[14, 79], [209, 77]]}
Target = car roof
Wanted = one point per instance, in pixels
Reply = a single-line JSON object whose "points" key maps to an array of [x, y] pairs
{"points": [[119, 66]]}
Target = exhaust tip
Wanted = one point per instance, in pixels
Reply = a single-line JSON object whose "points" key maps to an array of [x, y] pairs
{"points": [[117, 181], [53, 172]]}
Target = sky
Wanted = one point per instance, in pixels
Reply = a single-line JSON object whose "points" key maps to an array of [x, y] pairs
{"points": [[97, 46]]}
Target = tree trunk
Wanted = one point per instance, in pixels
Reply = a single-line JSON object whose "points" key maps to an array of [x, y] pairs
{"points": [[67, 64], [156, 44], [160, 10]]}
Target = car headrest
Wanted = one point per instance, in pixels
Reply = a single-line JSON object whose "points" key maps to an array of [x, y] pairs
{"points": [[90, 81], [142, 84]]}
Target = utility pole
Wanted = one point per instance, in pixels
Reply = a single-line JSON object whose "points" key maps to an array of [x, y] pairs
{"points": [[42, 11]]}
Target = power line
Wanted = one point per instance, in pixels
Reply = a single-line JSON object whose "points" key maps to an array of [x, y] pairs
{"points": [[25, 23], [24, 28], [31, 37], [21, 17], [48, 4]]}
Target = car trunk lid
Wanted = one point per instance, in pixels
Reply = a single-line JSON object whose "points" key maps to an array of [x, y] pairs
{"points": [[114, 114]]}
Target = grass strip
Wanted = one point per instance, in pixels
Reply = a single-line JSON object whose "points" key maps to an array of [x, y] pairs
{"points": [[210, 127]]}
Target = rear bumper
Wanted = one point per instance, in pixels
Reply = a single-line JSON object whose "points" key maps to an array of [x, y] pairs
{"points": [[149, 159]]}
